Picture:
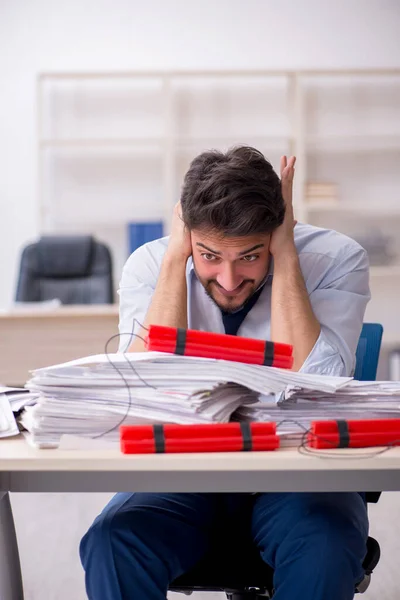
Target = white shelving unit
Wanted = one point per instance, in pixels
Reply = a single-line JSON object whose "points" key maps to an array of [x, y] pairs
{"points": [[114, 147], [350, 137], [352, 124]]}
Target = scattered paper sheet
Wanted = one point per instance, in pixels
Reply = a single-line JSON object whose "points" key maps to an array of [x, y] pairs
{"points": [[8, 424]]}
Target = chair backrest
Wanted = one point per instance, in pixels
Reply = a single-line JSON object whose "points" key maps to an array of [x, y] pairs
{"points": [[74, 269], [368, 349]]}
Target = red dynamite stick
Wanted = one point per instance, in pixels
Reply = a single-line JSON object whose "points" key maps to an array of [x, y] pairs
{"points": [[227, 347], [216, 339], [191, 347], [214, 437], [196, 430], [358, 433], [368, 425], [147, 446], [357, 440], [358, 426], [244, 356]]}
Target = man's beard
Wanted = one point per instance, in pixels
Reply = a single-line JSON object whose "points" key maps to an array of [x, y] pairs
{"points": [[226, 307]]}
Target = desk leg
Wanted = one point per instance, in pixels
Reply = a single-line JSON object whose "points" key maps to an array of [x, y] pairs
{"points": [[10, 569]]}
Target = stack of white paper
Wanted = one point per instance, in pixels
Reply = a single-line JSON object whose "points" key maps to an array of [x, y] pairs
{"points": [[352, 392], [91, 396], [298, 407]]}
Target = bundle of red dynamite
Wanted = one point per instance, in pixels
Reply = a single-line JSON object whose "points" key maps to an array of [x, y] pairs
{"points": [[354, 434], [206, 344], [220, 437]]}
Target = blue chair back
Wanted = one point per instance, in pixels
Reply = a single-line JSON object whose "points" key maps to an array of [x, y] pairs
{"points": [[368, 349]]}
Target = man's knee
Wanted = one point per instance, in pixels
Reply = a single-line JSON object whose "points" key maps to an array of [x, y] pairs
{"points": [[330, 534], [98, 539], [154, 528], [116, 525], [326, 528]]}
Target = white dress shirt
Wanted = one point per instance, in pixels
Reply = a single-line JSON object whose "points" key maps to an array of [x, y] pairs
{"points": [[336, 273]]}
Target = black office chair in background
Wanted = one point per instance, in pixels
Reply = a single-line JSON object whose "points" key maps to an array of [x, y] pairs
{"points": [[73, 269]]}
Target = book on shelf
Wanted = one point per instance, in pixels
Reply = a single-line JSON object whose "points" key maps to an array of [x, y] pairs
{"points": [[320, 192]]}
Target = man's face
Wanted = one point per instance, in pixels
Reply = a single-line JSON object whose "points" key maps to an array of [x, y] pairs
{"points": [[230, 269]]}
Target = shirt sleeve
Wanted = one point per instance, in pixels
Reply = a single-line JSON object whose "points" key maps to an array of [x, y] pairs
{"points": [[137, 285], [339, 301]]}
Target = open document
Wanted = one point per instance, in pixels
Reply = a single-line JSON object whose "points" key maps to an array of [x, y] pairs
{"points": [[8, 424]]}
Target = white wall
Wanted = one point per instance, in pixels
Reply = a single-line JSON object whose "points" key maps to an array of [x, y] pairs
{"points": [[43, 35]]}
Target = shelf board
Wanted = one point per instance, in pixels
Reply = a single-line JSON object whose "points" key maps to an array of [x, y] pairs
{"points": [[348, 209], [239, 138], [219, 73], [178, 141], [385, 271], [100, 142], [353, 143], [390, 341]]}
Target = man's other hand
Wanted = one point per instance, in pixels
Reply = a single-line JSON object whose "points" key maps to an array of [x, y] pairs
{"points": [[282, 238], [179, 242]]}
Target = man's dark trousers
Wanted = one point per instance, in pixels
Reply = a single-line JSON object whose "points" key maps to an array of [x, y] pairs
{"points": [[141, 542]]}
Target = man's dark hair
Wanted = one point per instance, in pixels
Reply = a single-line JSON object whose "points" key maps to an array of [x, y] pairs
{"points": [[236, 193]]}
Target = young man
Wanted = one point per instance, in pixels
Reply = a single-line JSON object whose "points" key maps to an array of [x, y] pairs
{"points": [[237, 262]]}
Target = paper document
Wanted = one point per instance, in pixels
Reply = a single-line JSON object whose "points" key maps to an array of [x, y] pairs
{"points": [[92, 396], [19, 397], [298, 407], [8, 424]]}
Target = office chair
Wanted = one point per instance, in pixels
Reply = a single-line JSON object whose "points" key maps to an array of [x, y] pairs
{"points": [[242, 574], [73, 269], [76, 270], [367, 354]]}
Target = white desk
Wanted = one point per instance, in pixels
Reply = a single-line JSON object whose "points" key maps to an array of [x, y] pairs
{"points": [[25, 469], [31, 338]]}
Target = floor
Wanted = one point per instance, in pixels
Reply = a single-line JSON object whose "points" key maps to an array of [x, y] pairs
{"points": [[49, 527]]}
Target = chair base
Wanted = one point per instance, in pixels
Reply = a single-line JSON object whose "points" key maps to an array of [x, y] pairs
{"points": [[248, 594], [231, 594], [244, 567]]}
